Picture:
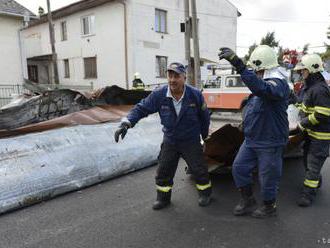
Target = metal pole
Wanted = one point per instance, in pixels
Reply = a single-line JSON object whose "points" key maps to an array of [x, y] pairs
{"points": [[197, 69], [187, 36], [52, 42]]}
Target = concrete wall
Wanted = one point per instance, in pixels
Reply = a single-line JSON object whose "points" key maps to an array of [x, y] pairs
{"points": [[10, 58]]}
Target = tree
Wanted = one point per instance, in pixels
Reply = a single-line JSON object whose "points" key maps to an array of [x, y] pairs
{"points": [[41, 11], [305, 48], [326, 54], [269, 40], [251, 48]]}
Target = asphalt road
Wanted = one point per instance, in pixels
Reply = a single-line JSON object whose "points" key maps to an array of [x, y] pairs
{"points": [[118, 214]]}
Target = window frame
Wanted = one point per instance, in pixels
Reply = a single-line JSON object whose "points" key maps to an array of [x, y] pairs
{"points": [[66, 65], [91, 75], [33, 73], [237, 83], [91, 25], [161, 72], [64, 31], [158, 21]]}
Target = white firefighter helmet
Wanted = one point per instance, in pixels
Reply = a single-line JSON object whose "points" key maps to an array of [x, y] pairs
{"points": [[137, 75], [312, 62], [263, 57]]}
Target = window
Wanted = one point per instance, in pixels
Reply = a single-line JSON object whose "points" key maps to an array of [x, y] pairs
{"points": [[160, 21], [33, 73], [234, 82], [161, 66], [90, 67], [64, 34], [214, 82], [87, 25], [66, 68]]}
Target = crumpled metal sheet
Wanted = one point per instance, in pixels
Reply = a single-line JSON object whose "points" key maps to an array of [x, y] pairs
{"points": [[59, 102], [223, 144], [39, 166], [99, 114], [43, 107]]}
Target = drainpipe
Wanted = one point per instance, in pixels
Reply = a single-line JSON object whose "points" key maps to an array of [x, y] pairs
{"points": [[123, 2]]}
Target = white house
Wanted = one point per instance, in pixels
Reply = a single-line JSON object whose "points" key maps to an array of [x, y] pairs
{"points": [[12, 19], [105, 42]]}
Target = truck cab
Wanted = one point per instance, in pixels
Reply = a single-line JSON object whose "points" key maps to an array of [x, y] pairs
{"points": [[225, 92]]}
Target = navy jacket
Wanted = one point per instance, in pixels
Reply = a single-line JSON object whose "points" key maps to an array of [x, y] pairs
{"points": [[265, 119], [315, 107], [193, 119]]}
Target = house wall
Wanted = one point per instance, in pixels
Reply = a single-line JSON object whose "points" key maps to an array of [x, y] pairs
{"points": [[217, 27], [10, 58], [107, 44]]}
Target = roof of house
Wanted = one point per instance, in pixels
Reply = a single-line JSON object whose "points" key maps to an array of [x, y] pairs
{"points": [[69, 10], [11, 7], [76, 7]]}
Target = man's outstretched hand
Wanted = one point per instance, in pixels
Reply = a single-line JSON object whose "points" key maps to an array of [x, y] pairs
{"points": [[122, 131], [229, 55]]}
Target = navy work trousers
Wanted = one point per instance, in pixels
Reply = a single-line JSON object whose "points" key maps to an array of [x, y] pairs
{"points": [[192, 153], [269, 163]]}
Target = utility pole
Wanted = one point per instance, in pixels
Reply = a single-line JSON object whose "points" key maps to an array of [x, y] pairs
{"points": [[187, 37], [52, 42], [197, 69]]}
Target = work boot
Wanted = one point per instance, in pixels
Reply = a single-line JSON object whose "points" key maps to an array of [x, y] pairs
{"points": [[204, 197], [204, 200], [305, 200], [268, 209], [306, 197], [162, 201], [247, 203]]}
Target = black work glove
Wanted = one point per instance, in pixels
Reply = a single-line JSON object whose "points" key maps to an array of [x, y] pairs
{"points": [[122, 130], [229, 55]]}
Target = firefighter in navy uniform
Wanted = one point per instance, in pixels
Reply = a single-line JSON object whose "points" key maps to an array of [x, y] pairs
{"points": [[266, 130], [137, 82], [185, 118], [315, 123]]}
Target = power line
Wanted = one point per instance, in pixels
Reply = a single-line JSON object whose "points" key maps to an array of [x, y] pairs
{"points": [[282, 20], [244, 18]]}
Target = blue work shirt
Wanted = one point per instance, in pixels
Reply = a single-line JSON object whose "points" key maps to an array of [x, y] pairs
{"points": [[265, 120], [176, 103], [192, 122]]}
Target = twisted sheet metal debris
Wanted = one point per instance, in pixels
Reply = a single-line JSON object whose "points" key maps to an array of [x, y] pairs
{"points": [[51, 104], [44, 163]]}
